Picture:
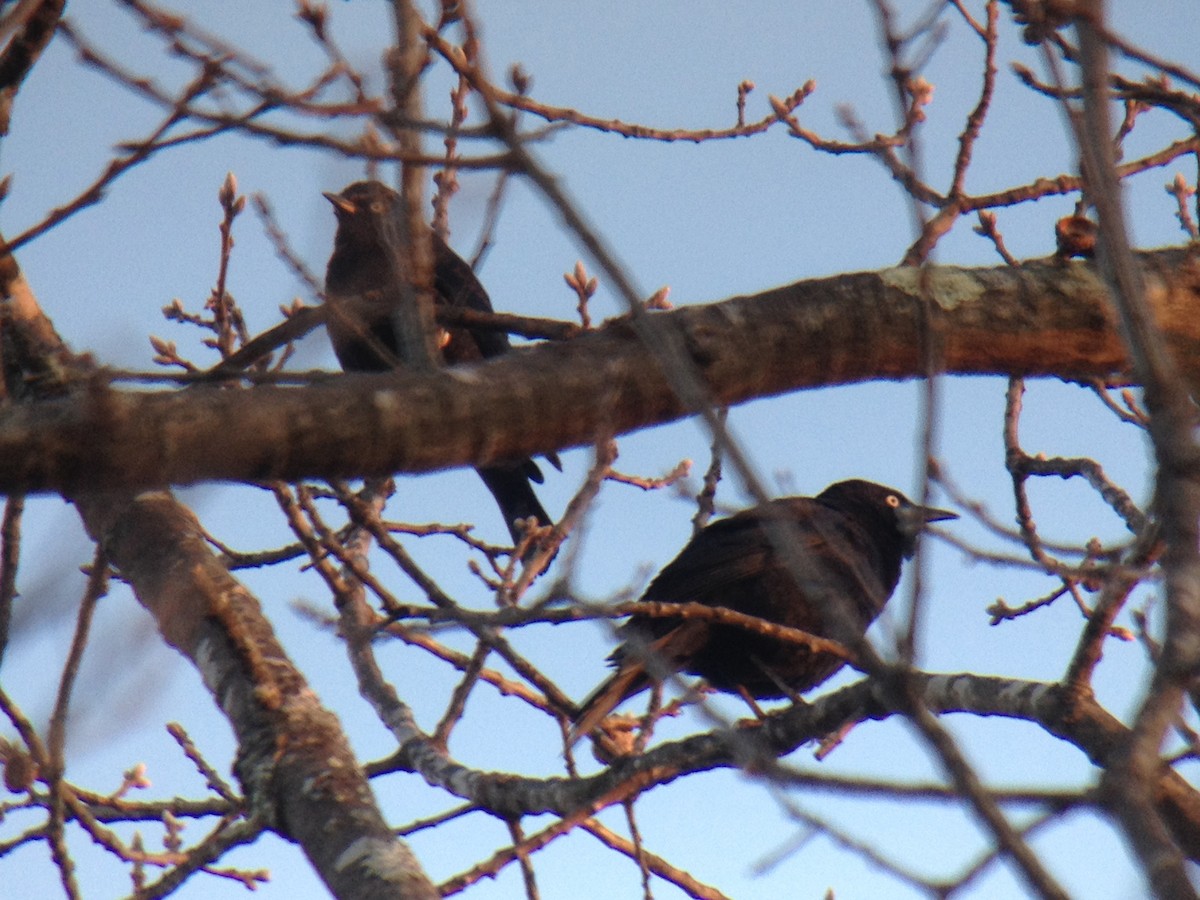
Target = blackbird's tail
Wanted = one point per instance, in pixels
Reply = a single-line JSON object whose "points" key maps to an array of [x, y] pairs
{"points": [[629, 678], [514, 495]]}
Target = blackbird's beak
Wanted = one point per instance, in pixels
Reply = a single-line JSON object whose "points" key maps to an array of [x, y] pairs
{"points": [[340, 203], [932, 514], [913, 519]]}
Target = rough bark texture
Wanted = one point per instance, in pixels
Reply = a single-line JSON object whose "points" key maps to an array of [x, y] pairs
{"points": [[293, 760], [1044, 319]]}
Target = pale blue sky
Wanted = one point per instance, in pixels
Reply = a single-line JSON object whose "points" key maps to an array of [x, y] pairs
{"points": [[711, 221]]}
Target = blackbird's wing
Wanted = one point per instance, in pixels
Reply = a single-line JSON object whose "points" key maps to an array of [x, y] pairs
{"points": [[455, 280], [361, 296], [455, 284], [727, 565], [719, 560], [732, 561]]}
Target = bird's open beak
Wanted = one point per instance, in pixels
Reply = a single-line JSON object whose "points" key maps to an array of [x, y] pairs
{"points": [[340, 203]]}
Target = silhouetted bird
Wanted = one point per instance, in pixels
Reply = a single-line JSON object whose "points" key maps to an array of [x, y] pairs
{"points": [[852, 538], [361, 294]]}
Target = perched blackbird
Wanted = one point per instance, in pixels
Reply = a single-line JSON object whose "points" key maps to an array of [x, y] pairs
{"points": [[853, 537], [361, 295]]}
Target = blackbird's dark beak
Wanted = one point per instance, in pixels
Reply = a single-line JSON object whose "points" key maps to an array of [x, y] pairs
{"points": [[932, 514], [340, 203], [913, 519]]}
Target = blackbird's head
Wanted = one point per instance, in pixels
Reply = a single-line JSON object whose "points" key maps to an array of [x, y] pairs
{"points": [[885, 511], [361, 207]]}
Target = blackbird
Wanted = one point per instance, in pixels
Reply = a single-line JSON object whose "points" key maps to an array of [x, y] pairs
{"points": [[361, 297], [852, 538]]}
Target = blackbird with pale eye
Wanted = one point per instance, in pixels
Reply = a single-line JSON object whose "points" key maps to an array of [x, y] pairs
{"points": [[852, 538], [361, 295]]}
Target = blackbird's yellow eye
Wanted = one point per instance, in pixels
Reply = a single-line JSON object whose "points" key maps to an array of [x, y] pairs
{"points": [[893, 501]]}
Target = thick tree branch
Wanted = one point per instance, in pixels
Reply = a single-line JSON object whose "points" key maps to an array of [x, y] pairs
{"points": [[1045, 319], [1075, 718], [293, 760]]}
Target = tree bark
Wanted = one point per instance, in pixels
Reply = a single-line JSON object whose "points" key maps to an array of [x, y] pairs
{"points": [[294, 762], [1043, 319]]}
